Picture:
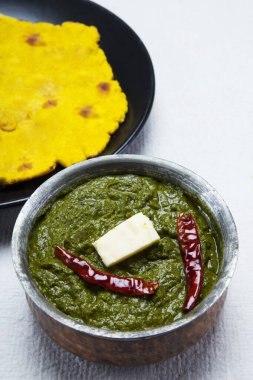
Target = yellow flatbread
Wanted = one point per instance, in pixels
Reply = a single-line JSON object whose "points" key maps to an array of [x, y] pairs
{"points": [[59, 102]]}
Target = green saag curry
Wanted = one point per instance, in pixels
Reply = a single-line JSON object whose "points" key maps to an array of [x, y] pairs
{"points": [[75, 220]]}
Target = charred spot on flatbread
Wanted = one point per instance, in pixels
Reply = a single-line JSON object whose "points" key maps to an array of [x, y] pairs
{"points": [[104, 87], [87, 111], [50, 103], [35, 40], [25, 166], [7, 127]]}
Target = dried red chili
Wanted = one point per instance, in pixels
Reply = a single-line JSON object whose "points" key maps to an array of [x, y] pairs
{"points": [[132, 286], [190, 248]]}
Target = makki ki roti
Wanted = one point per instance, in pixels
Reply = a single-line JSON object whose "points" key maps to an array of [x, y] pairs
{"points": [[59, 102]]}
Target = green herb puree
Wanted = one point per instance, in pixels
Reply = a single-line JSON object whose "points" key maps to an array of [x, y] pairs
{"points": [[78, 218]]}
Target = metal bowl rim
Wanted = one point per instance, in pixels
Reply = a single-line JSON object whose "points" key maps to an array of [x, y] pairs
{"points": [[33, 293]]}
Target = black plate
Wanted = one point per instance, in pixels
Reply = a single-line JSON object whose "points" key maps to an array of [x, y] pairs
{"points": [[126, 53]]}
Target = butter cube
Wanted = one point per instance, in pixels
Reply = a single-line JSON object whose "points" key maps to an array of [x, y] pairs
{"points": [[125, 240]]}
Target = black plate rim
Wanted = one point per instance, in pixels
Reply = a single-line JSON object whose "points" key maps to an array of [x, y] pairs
{"points": [[145, 115]]}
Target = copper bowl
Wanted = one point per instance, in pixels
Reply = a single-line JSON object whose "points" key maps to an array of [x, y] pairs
{"points": [[114, 347]]}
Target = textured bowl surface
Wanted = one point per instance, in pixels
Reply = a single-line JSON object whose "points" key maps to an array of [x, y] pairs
{"points": [[126, 348]]}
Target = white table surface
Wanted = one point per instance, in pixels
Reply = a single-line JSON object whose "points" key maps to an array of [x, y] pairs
{"points": [[202, 51]]}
